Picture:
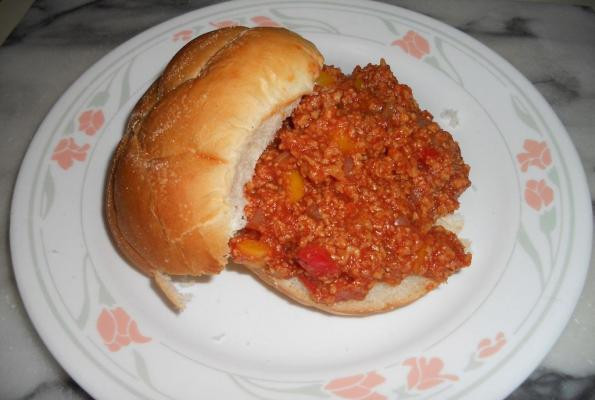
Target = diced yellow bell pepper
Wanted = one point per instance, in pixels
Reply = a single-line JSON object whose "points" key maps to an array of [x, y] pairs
{"points": [[345, 143], [254, 249], [358, 83], [325, 79], [295, 186]]}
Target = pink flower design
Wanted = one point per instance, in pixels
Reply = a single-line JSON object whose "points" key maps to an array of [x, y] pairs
{"points": [[538, 194], [537, 155], [91, 121], [426, 374], [117, 329], [357, 386], [261, 20], [414, 44], [183, 35], [67, 150], [486, 348], [224, 24]]}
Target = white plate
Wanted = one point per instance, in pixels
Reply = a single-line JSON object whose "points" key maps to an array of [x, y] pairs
{"points": [[476, 337]]}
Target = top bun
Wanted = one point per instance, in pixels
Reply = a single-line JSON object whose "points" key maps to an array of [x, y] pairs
{"points": [[175, 191]]}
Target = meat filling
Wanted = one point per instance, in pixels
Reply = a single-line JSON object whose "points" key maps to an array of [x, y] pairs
{"points": [[349, 192]]}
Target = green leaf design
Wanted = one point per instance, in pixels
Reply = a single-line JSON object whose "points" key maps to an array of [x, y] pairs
{"points": [[81, 320], [125, 92], [301, 23], [433, 61], [522, 112], [403, 394], [99, 99], [554, 177], [104, 296], [525, 242], [472, 363], [48, 194], [390, 26], [69, 128], [313, 390], [547, 221], [143, 373], [438, 44], [141, 368], [308, 390]]}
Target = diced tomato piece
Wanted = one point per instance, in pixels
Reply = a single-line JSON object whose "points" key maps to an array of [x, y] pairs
{"points": [[317, 261]]}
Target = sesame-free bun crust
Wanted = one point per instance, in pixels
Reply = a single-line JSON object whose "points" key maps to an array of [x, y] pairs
{"points": [[169, 196]]}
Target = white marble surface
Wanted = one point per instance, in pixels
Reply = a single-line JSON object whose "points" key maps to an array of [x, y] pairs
{"points": [[553, 45]]}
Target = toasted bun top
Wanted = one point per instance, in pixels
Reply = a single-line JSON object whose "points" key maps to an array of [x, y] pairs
{"points": [[173, 197]]}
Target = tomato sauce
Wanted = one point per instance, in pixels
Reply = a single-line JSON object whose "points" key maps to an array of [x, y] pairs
{"points": [[349, 192]]}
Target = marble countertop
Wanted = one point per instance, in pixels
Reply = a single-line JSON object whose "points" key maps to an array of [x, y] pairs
{"points": [[552, 44]]}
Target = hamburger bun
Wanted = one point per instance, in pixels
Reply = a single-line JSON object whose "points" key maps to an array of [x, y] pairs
{"points": [[174, 191], [174, 195]]}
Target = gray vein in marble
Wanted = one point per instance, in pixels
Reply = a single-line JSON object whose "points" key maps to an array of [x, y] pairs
{"points": [[545, 384], [559, 89], [101, 23], [58, 390], [516, 27]]}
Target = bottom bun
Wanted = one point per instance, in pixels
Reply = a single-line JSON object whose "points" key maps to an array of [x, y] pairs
{"points": [[382, 297]]}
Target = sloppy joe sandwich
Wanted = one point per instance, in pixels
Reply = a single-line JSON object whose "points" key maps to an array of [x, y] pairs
{"points": [[337, 190]]}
